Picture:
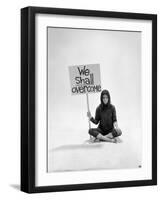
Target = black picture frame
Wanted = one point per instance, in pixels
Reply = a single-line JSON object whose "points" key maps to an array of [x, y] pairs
{"points": [[28, 98]]}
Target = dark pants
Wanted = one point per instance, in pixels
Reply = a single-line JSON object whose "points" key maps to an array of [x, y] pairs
{"points": [[95, 131]]}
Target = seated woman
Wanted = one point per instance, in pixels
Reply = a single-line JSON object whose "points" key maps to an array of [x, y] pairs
{"points": [[105, 115]]}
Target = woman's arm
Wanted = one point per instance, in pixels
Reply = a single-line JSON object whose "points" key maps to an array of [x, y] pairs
{"points": [[96, 119], [114, 118]]}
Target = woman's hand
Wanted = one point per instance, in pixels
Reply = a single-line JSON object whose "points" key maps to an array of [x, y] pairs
{"points": [[89, 115], [115, 124]]}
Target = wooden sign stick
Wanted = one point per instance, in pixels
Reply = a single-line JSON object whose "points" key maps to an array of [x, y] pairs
{"points": [[88, 111]]}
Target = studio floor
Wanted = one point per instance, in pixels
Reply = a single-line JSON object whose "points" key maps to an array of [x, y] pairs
{"points": [[80, 154]]}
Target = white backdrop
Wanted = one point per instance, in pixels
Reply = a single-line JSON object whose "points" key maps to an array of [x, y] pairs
{"points": [[10, 98], [119, 56]]}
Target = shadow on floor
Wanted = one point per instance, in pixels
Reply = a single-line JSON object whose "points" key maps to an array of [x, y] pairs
{"points": [[77, 146]]}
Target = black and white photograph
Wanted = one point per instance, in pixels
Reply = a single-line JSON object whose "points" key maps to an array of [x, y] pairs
{"points": [[94, 99], [89, 106]]}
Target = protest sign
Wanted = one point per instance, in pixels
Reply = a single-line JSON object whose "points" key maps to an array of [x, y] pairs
{"points": [[85, 79]]}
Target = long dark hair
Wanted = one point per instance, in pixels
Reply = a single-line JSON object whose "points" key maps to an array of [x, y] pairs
{"points": [[105, 92]]}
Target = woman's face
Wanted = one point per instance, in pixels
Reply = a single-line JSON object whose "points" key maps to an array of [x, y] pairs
{"points": [[105, 99]]}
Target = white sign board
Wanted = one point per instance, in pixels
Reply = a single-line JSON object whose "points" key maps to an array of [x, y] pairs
{"points": [[85, 78]]}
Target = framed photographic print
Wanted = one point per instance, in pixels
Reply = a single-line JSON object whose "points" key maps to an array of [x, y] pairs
{"points": [[88, 99]]}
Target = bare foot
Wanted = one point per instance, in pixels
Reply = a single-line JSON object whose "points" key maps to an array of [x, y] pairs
{"points": [[109, 135], [96, 140], [114, 140]]}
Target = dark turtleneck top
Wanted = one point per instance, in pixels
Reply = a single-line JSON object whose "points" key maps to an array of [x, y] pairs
{"points": [[105, 116]]}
